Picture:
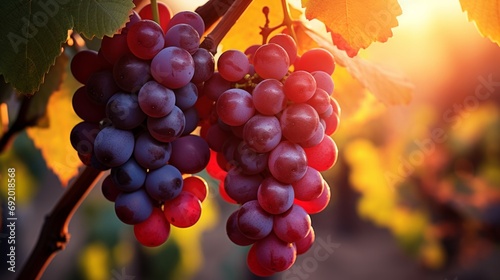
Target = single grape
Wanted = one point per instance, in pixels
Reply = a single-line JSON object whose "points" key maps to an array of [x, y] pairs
{"points": [[113, 146], [131, 73], [215, 86], [320, 101], [235, 107], [123, 110], [169, 127], [274, 196], [112, 48], [233, 65], [216, 137], [101, 86], [234, 233], [254, 266], [268, 97], [164, 183], [84, 63], [86, 108], [129, 176], [299, 87], [190, 154], [192, 119], [287, 162], [153, 231], [172, 67], [323, 81], [183, 211], [292, 225], [82, 137], [316, 60], [241, 187], [156, 100], [145, 39], [253, 221], [271, 61], [304, 244], [197, 186], [316, 138], [133, 207], [109, 189], [248, 161], [299, 122], [323, 156], [262, 133], [286, 42], [332, 123], [310, 186], [318, 204], [151, 153], [186, 96], [204, 65], [183, 36], [190, 18], [274, 254]]}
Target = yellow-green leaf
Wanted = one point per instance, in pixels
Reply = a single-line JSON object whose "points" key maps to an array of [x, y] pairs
{"points": [[53, 139], [355, 24], [486, 16]]}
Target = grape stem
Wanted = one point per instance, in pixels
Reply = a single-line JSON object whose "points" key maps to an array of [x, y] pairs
{"points": [[287, 21], [54, 234], [214, 38], [154, 10]]}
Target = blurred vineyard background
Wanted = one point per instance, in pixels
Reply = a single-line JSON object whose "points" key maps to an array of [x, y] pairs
{"points": [[415, 193]]}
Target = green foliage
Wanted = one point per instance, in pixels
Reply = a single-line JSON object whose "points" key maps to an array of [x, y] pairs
{"points": [[33, 31]]}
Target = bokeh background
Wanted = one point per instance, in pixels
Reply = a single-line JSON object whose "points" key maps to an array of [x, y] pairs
{"points": [[415, 192]]}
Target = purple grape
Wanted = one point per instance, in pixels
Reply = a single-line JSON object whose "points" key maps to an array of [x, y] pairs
{"points": [[249, 161], [131, 73], [145, 39], [292, 225], [123, 111], [129, 176], [235, 107], [234, 233], [274, 254], [173, 67], [101, 86], [204, 65], [215, 86], [82, 137], [190, 154], [183, 36], [164, 183], [288, 162], [191, 115], [156, 100], [274, 196], [268, 97], [109, 189], [299, 122], [241, 187], [151, 153], [186, 96], [113, 146], [253, 221], [233, 65], [86, 108], [262, 133], [169, 127], [133, 207]]}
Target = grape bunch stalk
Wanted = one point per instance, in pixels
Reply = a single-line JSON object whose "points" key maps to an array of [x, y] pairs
{"points": [[137, 106], [270, 117]]}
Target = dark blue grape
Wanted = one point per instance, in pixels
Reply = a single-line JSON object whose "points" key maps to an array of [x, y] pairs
{"points": [[133, 207], [164, 183]]}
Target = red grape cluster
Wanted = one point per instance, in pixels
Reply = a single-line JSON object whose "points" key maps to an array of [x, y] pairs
{"points": [[137, 106], [268, 129]]}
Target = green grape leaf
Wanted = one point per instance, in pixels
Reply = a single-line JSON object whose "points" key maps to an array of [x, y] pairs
{"points": [[33, 32]]}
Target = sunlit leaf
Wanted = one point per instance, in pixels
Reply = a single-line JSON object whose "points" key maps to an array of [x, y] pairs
{"points": [[355, 23], [389, 87], [245, 32], [53, 140], [486, 16], [33, 31]]}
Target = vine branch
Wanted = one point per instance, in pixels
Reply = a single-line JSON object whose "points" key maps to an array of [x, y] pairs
{"points": [[54, 234], [20, 123]]}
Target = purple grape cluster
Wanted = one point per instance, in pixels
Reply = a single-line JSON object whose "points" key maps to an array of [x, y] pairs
{"points": [[268, 129], [137, 106]]}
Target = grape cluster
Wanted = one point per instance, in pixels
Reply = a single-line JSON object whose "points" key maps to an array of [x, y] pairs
{"points": [[268, 129], [137, 106]]}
